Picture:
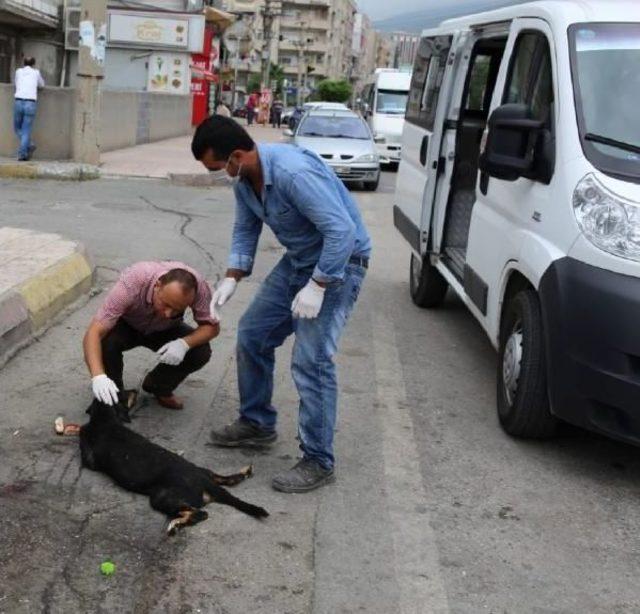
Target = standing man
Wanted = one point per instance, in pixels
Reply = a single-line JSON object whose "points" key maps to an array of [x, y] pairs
{"points": [[277, 107], [310, 293], [27, 81], [145, 308], [251, 108]]}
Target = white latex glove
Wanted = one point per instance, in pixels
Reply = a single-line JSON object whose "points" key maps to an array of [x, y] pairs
{"points": [[172, 353], [308, 301], [104, 389], [223, 292]]}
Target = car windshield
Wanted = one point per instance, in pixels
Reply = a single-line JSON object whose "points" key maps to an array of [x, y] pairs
{"points": [[393, 102], [334, 127], [606, 74]]}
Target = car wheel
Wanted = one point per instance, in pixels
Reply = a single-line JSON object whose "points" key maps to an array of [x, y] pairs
{"points": [[427, 286], [372, 186], [523, 399]]}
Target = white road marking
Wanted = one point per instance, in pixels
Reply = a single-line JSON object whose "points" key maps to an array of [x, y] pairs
{"points": [[416, 564]]}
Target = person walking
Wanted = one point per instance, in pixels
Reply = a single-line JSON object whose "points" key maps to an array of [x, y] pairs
{"points": [[252, 103], [145, 309], [310, 293], [27, 82], [277, 107]]}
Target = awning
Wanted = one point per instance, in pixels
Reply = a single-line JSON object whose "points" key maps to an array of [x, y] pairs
{"points": [[220, 18], [29, 14]]}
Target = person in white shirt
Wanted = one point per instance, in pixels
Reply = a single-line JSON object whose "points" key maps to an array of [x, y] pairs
{"points": [[28, 80]]}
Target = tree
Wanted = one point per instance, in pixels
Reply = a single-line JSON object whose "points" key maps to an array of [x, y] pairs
{"points": [[334, 91], [253, 84], [277, 75]]}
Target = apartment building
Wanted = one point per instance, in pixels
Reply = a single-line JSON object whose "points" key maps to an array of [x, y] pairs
{"points": [[384, 50], [405, 48]]}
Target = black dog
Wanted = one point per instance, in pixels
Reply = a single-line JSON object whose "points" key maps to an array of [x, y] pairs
{"points": [[175, 486]]}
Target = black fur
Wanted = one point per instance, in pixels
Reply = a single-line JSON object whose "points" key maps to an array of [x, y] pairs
{"points": [[174, 485]]}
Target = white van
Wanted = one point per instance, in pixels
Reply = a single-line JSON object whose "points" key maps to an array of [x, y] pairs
{"points": [[384, 100], [519, 189]]}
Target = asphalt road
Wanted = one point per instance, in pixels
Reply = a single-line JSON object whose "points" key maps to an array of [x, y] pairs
{"points": [[434, 510]]}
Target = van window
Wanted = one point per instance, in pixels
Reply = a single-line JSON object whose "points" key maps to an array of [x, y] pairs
{"points": [[530, 80], [606, 81], [477, 100], [428, 72]]}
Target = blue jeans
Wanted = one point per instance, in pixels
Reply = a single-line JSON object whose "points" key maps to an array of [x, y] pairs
{"points": [[265, 326], [24, 113]]}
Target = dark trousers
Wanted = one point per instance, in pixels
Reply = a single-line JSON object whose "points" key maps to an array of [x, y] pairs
{"points": [[250, 116], [277, 119], [164, 379]]}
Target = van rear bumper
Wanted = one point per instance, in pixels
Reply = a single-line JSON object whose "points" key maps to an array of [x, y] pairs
{"points": [[592, 335]]}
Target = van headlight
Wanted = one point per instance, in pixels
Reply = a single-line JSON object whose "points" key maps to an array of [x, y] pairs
{"points": [[367, 158], [609, 221]]}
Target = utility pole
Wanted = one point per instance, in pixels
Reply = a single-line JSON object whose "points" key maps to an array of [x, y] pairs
{"points": [[270, 12], [93, 41]]}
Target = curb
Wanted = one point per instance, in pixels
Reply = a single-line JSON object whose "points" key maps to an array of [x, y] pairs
{"points": [[61, 171], [29, 308], [196, 180]]}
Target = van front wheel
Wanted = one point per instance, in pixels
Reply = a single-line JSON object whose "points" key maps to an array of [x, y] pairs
{"points": [[523, 400], [428, 287]]}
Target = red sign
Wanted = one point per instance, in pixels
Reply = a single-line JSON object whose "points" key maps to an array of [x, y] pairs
{"points": [[201, 78]]}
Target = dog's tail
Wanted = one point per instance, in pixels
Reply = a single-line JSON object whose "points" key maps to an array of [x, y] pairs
{"points": [[220, 495]]}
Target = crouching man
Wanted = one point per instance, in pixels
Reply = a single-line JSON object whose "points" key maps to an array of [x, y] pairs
{"points": [[146, 308]]}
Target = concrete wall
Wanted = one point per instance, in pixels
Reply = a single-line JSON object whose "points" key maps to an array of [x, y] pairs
{"points": [[128, 118], [52, 131]]}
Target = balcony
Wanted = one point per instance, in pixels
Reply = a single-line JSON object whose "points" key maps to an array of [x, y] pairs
{"points": [[300, 23], [30, 13], [317, 47]]}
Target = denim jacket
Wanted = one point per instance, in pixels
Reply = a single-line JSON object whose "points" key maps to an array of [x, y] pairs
{"points": [[307, 207]]}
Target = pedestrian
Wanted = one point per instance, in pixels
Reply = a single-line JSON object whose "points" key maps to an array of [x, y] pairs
{"points": [[252, 103], [310, 293], [27, 81], [223, 109], [296, 116], [145, 308], [277, 107]]}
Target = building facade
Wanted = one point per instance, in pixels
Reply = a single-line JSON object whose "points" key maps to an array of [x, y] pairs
{"points": [[405, 48]]}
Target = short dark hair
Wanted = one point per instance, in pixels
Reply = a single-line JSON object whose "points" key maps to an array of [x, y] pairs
{"points": [[222, 135], [185, 278], [28, 61]]}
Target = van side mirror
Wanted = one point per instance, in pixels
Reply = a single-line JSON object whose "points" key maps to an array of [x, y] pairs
{"points": [[511, 143]]}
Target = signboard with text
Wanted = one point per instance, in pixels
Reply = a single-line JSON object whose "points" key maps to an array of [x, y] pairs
{"points": [[149, 31]]}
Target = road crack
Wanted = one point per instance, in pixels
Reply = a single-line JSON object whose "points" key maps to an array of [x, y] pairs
{"points": [[214, 267]]}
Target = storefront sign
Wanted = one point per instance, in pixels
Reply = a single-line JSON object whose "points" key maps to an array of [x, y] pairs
{"points": [[149, 31], [169, 73]]}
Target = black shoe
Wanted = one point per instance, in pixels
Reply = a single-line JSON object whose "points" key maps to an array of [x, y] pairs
{"points": [[307, 475], [32, 148], [242, 433]]}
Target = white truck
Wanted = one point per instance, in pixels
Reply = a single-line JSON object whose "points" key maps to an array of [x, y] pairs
{"points": [[384, 100]]}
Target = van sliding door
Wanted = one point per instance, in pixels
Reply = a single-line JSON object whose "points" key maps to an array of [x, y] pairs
{"points": [[421, 137]]}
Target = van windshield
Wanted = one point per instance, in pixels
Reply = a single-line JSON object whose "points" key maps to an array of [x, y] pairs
{"points": [[393, 102], [606, 80]]}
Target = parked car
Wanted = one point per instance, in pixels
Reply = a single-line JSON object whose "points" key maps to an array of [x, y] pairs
{"points": [[286, 115], [240, 111], [343, 139], [519, 190]]}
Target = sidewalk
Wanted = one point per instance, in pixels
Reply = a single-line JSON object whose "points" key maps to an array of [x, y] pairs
{"points": [[40, 276], [171, 158]]}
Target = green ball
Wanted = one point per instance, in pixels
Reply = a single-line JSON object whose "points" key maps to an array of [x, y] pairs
{"points": [[107, 568]]}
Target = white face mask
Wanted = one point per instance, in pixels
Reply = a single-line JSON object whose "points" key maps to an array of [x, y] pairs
{"points": [[222, 174]]}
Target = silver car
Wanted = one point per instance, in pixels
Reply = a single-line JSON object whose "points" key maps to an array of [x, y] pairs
{"points": [[343, 139]]}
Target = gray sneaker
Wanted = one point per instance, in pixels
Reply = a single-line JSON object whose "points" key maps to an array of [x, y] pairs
{"points": [[307, 475], [242, 433]]}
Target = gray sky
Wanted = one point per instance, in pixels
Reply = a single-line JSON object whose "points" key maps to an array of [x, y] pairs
{"points": [[379, 9]]}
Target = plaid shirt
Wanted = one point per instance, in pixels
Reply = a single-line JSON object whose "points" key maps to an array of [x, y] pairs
{"points": [[131, 299]]}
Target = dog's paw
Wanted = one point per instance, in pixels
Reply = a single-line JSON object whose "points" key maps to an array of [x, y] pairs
{"points": [[247, 471]]}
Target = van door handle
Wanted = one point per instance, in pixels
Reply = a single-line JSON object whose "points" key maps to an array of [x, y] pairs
{"points": [[424, 148]]}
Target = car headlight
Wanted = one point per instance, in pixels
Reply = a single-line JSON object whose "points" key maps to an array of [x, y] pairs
{"points": [[609, 221], [367, 158]]}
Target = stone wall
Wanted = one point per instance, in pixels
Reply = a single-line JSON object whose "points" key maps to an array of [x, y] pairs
{"points": [[128, 119]]}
